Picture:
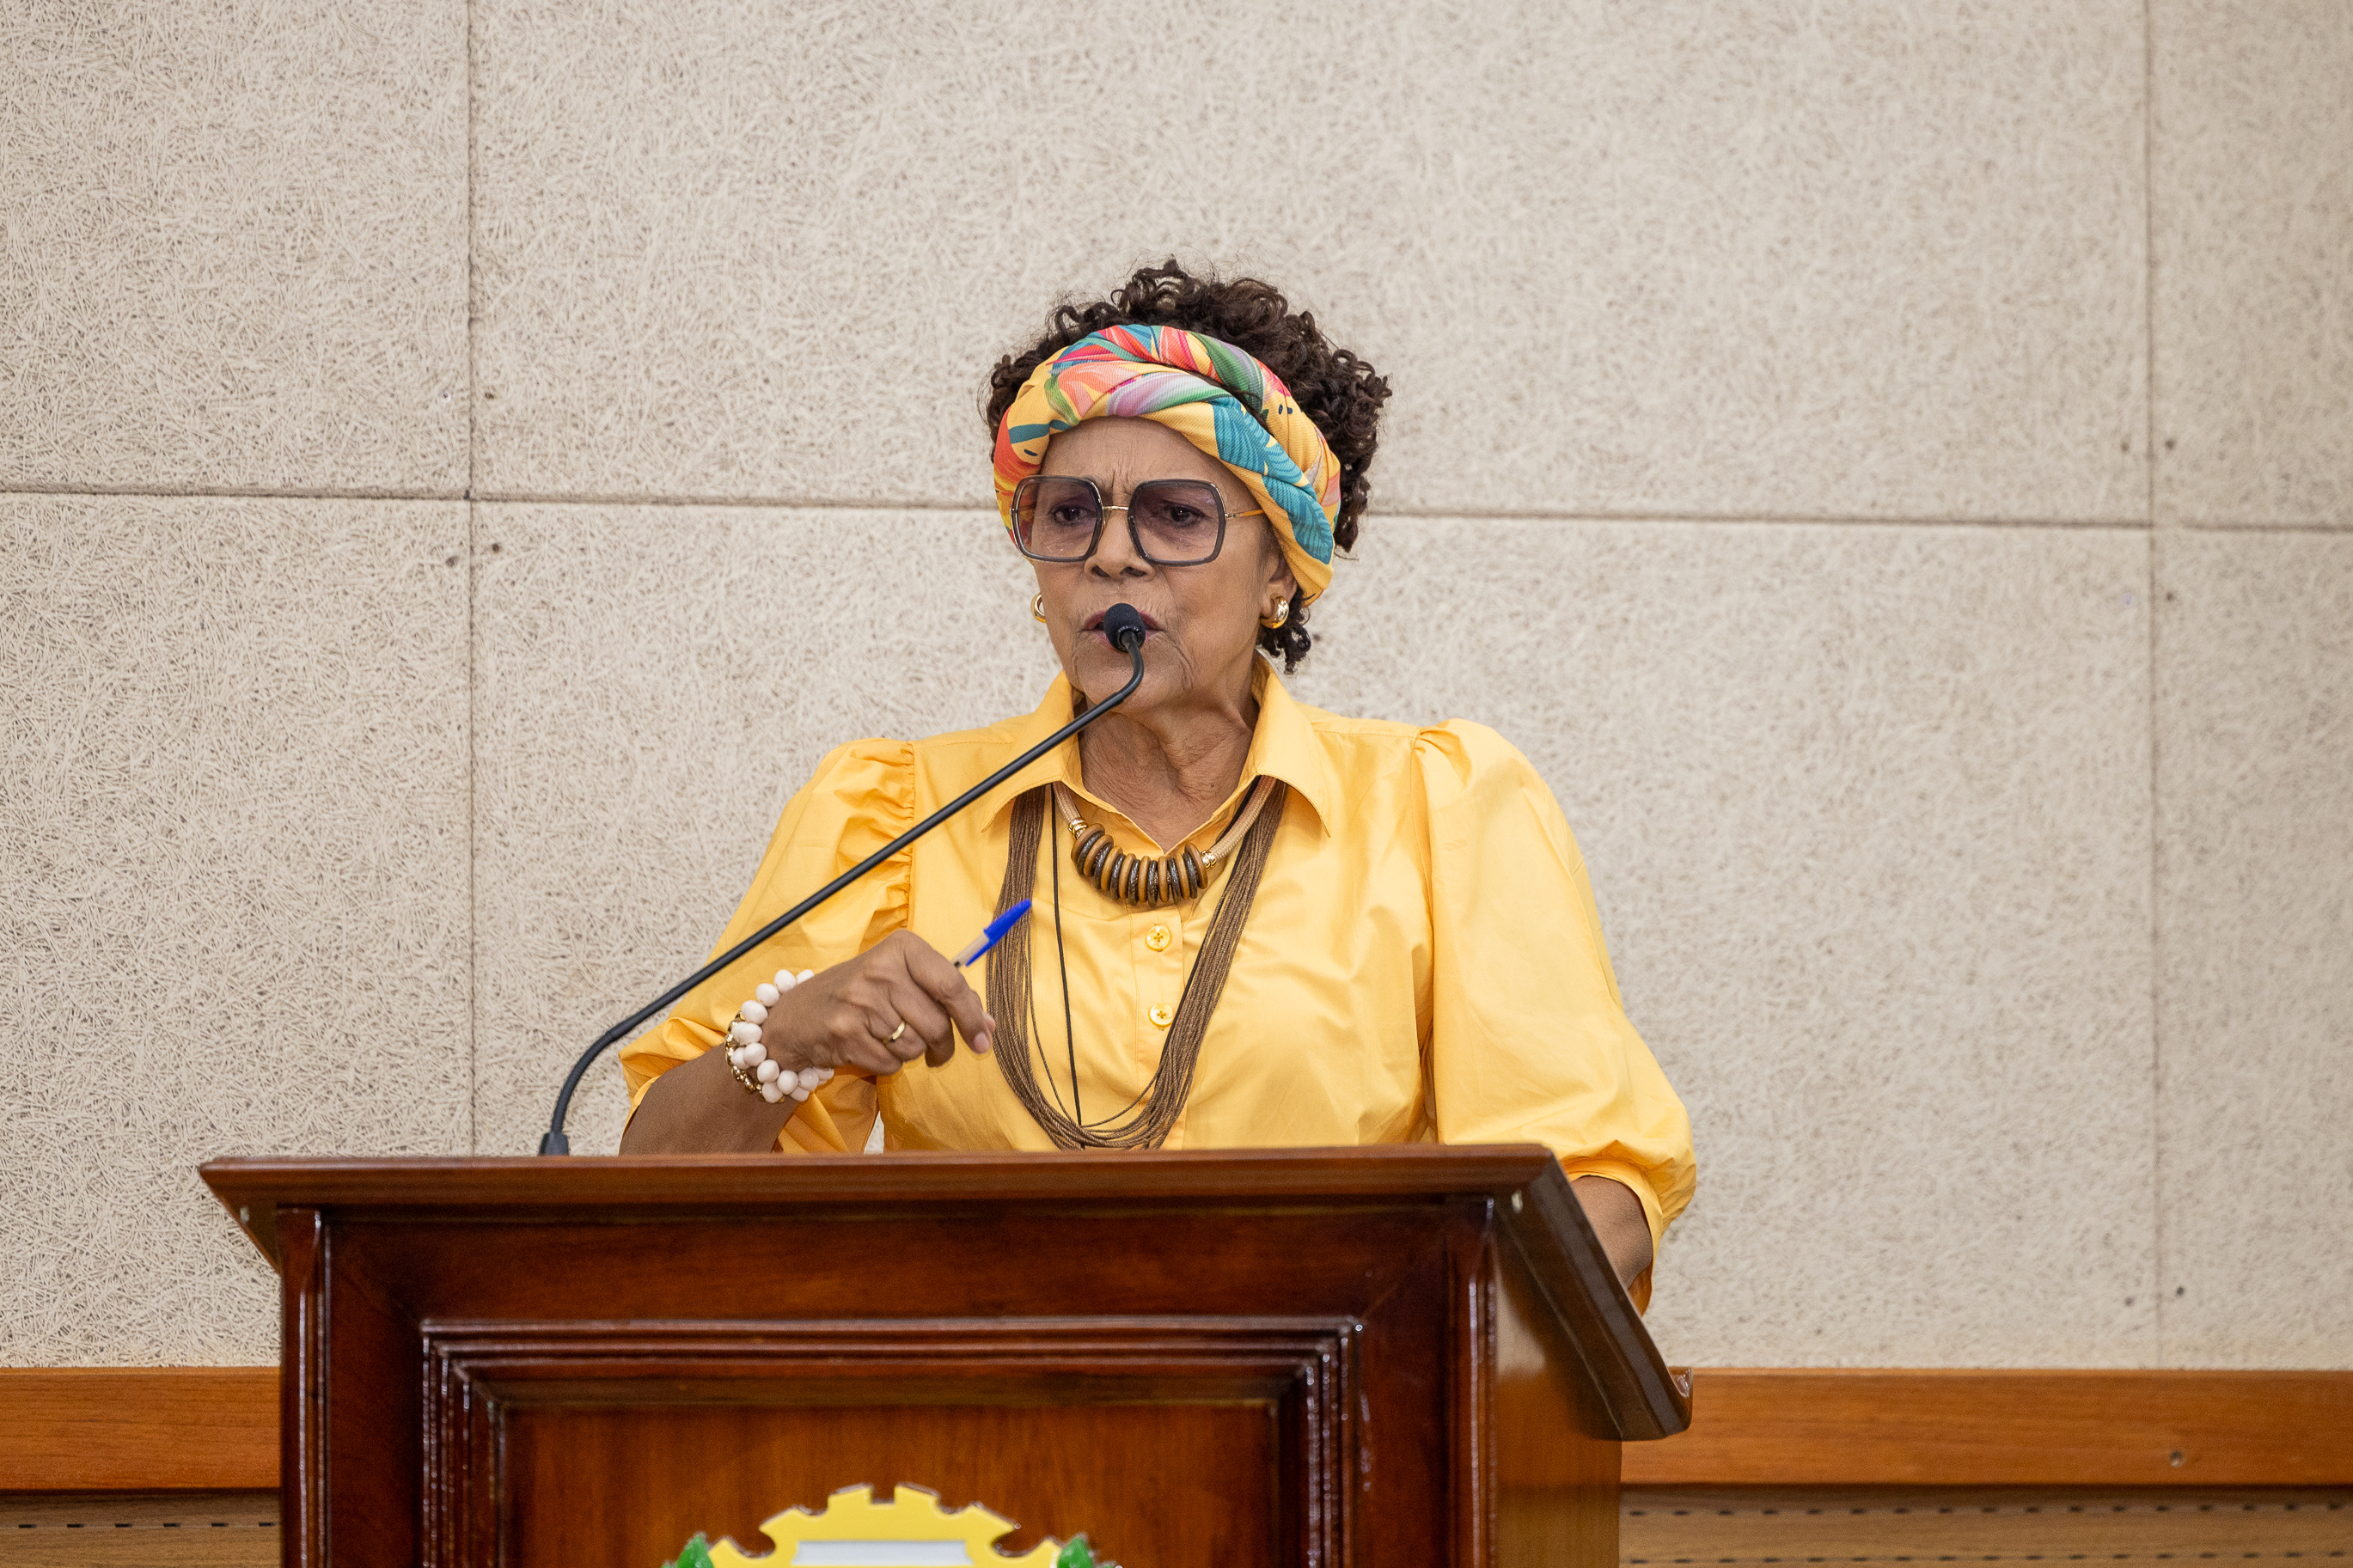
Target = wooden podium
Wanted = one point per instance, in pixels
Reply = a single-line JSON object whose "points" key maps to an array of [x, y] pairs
{"points": [[1410, 1356]]}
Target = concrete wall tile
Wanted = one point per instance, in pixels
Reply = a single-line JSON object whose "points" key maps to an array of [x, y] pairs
{"points": [[235, 251], [651, 685], [2254, 687], [1867, 812], [232, 890], [2252, 167], [1880, 261]]}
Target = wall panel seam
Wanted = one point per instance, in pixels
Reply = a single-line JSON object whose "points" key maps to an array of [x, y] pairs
{"points": [[222, 492], [2149, 256], [2341, 530], [473, 570], [1378, 515], [2156, 963], [982, 509], [2156, 810], [473, 231], [473, 898]]}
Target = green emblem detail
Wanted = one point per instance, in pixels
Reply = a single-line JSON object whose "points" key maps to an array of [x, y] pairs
{"points": [[1079, 1554], [696, 1554]]}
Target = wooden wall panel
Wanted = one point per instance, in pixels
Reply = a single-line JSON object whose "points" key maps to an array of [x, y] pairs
{"points": [[139, 1429], [173, 1428], [2008, 1428]]}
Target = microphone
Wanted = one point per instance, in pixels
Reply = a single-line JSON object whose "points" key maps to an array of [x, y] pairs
{"points": [[1125, 629]]}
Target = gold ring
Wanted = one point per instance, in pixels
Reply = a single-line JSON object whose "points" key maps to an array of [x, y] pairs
{"points": [[893, 1037]]}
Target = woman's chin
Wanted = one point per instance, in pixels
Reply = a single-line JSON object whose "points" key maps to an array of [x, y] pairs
{"points": [[1096, 667]]}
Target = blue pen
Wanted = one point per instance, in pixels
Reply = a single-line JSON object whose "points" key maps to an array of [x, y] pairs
{"points": [[993, 935]]}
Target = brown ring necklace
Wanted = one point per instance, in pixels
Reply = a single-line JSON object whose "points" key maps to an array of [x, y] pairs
{"points": [[1140, 879]]}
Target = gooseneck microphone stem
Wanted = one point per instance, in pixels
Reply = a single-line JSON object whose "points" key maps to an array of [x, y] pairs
{"points": [[1126, 632]]}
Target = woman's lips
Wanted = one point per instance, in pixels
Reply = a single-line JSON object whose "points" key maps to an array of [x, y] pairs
{"points": [[1094, 622]]}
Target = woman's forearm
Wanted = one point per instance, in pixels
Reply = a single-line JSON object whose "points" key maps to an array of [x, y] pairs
{"points": [[1616, 1215], [698, 1108]]}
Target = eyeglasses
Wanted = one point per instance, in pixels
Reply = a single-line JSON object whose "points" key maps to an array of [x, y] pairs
{"points": [[1173, 522]]}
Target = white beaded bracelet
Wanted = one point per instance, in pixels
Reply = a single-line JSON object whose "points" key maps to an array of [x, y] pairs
{"points": [[754, 1068]]}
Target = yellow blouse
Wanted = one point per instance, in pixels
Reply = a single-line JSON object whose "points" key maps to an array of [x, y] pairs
{"points": [[1423, 963]]}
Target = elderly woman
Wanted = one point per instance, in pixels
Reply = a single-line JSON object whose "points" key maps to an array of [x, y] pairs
{"points": [[1255, 923]]}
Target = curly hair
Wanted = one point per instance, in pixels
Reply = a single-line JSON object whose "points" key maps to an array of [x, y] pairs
{"points": [[1340, 391]]}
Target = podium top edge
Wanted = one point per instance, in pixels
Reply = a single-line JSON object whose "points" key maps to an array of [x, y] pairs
{"points": [[1400, 1172]]}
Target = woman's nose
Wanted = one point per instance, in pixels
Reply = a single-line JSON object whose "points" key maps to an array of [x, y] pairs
{"points": [[1115, 554]]}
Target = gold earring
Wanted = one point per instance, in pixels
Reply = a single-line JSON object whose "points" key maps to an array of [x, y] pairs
{"points": [[1038, 607], [1282, 616]]}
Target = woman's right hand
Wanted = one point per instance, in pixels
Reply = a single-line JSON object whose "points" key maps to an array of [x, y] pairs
{"points": [[844, 1016]]}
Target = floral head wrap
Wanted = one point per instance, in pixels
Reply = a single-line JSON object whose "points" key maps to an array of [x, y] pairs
{"points": [[1218, 397]]}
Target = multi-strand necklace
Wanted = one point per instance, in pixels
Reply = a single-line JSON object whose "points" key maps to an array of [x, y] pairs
{"points": [[1011, 999]]}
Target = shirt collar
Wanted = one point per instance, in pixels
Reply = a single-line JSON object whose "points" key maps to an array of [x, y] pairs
{"points": [[1284, 746]]}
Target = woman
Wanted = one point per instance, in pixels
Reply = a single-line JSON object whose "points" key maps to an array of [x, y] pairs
{"points": [[1255, 923]]}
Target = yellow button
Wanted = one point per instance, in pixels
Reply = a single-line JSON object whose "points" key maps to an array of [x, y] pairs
{"points": [[1161, 1015], [1157, 938]]}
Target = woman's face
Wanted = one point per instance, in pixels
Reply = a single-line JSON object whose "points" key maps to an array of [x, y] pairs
{"points": [[1202, 620]]}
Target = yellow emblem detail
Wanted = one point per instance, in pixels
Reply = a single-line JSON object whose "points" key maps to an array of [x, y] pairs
{"points": [[911, 1531]]}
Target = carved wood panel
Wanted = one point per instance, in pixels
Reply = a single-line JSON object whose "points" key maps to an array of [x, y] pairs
{"points": [[514, 1411]]}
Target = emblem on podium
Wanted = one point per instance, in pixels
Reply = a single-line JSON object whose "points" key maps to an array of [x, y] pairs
{"points": [[910, 1530]]}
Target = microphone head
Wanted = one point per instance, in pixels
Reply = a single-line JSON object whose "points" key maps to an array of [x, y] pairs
{"points": [[1124, 627]]}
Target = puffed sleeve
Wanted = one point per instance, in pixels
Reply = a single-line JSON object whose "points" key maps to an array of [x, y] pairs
{"points": [[1528, 1039], [861, 797]]}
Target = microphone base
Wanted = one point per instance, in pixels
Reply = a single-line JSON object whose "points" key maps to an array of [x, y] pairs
{"points": [[554, 1143]]}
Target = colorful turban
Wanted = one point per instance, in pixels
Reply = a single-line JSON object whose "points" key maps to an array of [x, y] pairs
{"points": [[1213, 394]]}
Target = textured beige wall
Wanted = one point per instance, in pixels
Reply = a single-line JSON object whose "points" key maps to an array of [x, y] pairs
{"points": [[1867, 809], [397, 692], [2254, 858], [235, 249], [233, 875]]}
